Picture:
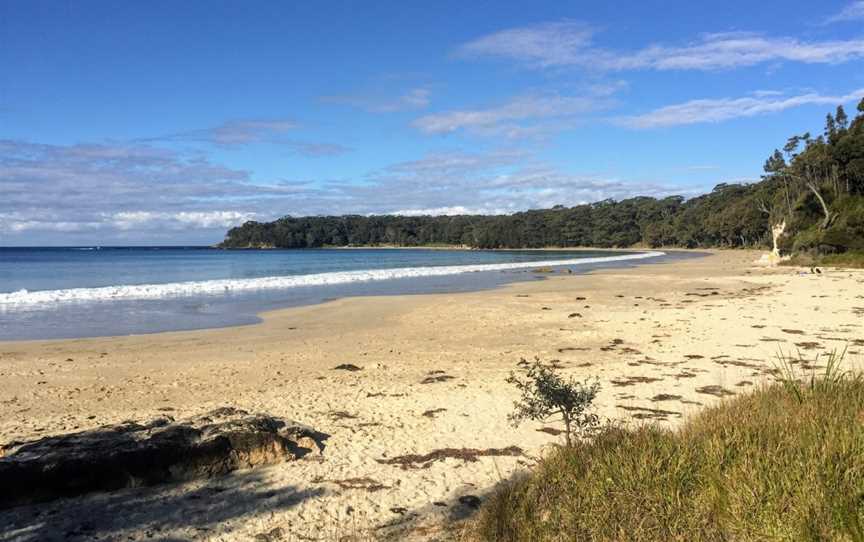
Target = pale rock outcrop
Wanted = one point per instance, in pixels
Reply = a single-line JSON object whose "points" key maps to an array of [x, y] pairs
{"points": [[162, 450]]}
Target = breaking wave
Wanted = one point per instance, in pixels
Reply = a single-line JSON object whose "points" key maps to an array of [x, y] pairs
{"points": [[230, 286]]}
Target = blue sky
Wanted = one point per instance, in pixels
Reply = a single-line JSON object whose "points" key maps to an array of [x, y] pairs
{"points": [[168, 122]]}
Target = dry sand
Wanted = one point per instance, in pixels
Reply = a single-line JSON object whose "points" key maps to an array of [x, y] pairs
{"points": [[664, 340]]}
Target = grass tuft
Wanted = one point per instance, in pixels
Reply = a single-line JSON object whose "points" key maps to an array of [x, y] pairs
{"points": [[794, 376], [785, 462]]}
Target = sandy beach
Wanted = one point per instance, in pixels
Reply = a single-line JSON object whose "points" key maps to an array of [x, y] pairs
{"points": [[664, 340]]}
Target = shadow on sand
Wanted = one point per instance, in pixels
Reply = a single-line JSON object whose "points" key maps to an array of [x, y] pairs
{"points": [[173, 512]]}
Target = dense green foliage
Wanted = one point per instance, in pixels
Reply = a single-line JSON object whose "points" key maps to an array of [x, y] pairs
{"points": [[716, 219], [818, 192], [777, 464]]}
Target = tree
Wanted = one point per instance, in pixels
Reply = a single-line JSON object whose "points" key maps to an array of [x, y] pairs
{"points": [[812, 183], [791, 146], [544, 393], [775, 163], [841, 118], [830, 127]]}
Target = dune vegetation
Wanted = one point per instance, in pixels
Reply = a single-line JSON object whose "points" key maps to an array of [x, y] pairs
{"points": [[785, 462]]}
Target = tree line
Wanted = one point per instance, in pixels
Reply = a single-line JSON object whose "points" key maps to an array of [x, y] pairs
{"points": [[815, 185]]}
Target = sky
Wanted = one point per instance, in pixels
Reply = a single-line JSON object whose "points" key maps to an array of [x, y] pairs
{"points": [[166, 123]]}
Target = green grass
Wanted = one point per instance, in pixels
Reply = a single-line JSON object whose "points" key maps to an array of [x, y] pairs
{"points": [[785, 462], [849, 260]]}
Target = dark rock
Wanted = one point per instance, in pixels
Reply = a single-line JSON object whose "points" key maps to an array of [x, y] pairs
{"points": [[471, 501], [132, 454]]}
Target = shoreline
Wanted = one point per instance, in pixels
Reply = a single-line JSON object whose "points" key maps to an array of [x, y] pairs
{"points": [[251, 297], [665, 340], [474, 249]]}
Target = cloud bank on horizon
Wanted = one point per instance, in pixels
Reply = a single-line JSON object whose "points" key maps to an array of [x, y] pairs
{"points": [[112, 137]]}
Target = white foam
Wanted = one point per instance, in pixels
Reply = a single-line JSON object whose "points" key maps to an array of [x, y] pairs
{"points": [[226, 286]]}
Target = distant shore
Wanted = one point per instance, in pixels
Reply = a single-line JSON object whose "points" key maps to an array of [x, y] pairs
{"points": [[466, 247], [665, 340]]}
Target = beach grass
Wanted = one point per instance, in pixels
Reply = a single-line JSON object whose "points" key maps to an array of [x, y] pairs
{"points": [[853, 259], [784, 462]]}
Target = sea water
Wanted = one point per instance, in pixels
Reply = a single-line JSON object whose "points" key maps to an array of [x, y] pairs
{"points": [[98, 291]]}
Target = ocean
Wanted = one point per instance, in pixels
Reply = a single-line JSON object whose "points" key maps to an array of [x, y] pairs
{"points": [[68, 292]]}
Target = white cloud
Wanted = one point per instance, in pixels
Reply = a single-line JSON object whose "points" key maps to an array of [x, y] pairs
{"points": [[521, 117], [413, 99], [177, 220], [547, 44], [8, 223], [570, 43], [852, 12], [104, 190], [243, 132], [233, 133], [316, 150], [494, 182], [451, 211], [101, 194], [417, 98], [718, 110], [454, 163], [128, 220], [764, 93]]}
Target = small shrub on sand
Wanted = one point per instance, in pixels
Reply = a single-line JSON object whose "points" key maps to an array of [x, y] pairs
{"points": [[545, 394], [785, 462]]}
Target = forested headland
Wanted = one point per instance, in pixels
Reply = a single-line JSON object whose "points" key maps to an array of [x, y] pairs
{"points": [[813, 186]]}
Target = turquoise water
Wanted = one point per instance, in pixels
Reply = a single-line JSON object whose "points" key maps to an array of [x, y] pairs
{"points": [[95, 291]]}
